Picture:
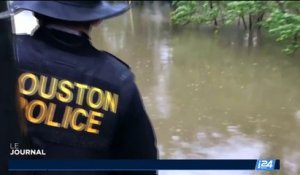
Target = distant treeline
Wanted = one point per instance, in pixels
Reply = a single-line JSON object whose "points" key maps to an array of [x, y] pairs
{"points": [[281, 19]]}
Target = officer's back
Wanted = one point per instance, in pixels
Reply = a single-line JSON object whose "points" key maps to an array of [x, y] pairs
{"points": [[80, 103]]}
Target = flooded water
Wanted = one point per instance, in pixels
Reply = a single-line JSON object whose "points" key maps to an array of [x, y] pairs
{"points": [[210, 96]]}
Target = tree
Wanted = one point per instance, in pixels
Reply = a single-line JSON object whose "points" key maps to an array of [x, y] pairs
{"points": [[281, 19], [284, 24]]}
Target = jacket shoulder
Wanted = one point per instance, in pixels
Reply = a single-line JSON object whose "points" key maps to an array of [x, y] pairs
{"points": [[117, 68], [116, 59]]}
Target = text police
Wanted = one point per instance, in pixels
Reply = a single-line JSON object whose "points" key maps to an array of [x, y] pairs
{"points": [[66, 92]]}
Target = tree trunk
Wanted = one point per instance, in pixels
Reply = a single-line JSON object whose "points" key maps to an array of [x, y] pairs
{"points": [[244, 22], [260, 19], [296, 37], [215, 19], [250, 22]]}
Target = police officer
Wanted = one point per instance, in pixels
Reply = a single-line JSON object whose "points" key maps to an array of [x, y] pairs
{"points": [[79, 102]]}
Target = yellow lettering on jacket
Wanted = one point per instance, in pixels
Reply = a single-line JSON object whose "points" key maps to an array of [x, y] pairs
{"points": [[82, 103]]}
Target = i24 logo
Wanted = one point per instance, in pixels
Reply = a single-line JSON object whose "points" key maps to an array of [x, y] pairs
{"points": [[265, 165]]}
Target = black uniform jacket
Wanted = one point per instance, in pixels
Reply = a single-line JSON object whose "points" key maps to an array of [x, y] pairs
{"points": [[79, 102]]}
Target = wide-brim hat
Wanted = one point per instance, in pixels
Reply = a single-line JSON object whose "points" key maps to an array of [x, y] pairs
{"points": [[73, 10]]}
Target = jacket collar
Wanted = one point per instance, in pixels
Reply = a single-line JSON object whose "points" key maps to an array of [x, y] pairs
{"points": [[63, 29], [63, 39]]}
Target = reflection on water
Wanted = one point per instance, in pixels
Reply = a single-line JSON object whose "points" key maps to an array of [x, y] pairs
{"points": [[214, 145], [210, 96]]}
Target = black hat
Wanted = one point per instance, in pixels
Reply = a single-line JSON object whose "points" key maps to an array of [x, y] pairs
{"points": [[73, 10]]}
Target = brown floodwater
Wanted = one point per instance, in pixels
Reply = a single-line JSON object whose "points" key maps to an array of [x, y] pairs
{"points": [[210, 96]]}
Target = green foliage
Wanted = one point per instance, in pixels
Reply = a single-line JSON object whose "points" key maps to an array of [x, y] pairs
{"points": [[237, 9], [280, 18], [209, 12], [183, 12], [286, 28], [292, 7], [193, 12]]}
